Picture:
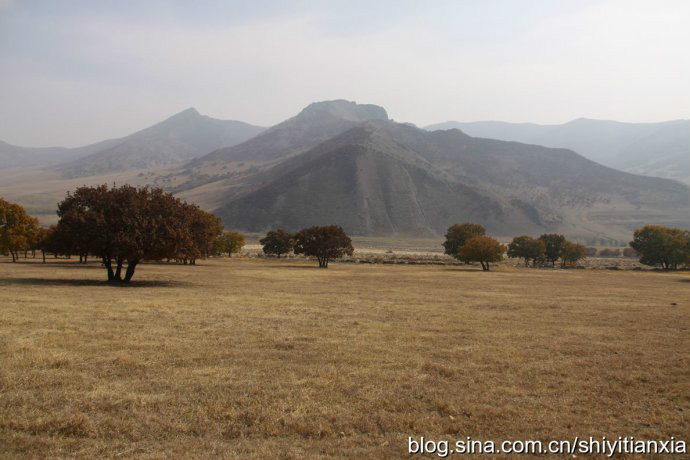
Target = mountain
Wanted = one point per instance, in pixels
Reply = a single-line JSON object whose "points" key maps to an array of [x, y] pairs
{"points": [[317, 123], [342, 163], [13, 156], [176, 140], [657, 149]]}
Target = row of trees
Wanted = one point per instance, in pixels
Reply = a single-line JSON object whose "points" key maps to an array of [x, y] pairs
{"points": [[324, 243], [549, 247], [125, 225]]}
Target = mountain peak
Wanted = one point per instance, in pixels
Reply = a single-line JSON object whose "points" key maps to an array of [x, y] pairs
{"points": [[347, 110], [189, 112]]}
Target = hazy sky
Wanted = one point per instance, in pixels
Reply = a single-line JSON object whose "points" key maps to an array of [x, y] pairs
{"points": [[74, 72]]}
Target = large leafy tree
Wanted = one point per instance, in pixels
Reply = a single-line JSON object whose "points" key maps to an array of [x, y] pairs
{"points": [[482, 249], [18, 230], [458, 234], [662, 246], [324, 243], [553, 246], [128, 224], [528, 248], [277, 242]]}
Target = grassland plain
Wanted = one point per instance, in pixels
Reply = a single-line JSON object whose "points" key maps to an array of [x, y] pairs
{"points": [[249, 358]]}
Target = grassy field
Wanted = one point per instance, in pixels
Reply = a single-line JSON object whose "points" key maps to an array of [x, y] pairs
{"points": [[278, 359]]}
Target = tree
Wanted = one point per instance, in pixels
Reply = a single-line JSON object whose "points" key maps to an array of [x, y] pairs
{"points": [[200, 232], [659, 245], [528, 248], [128, 224], [17, 229], [591, 252], [553, 244], [482, 249], [324, 243], [277, 242], [572, 252], [228, 243], [458, 234]]}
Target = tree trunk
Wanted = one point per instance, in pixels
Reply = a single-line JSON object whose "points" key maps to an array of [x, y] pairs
{"points": [[86, 258], [44, 256], [107, 263], [14, 256], [118, 269], [131, 266]]}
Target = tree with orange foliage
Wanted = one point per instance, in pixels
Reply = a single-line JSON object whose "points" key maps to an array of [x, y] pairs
{"points": [[482, 249], [17, 229]]}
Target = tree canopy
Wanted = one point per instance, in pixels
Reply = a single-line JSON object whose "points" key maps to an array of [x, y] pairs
{"points": [[572, 252], [662, 246], [324, 243], [228, 243], [277, 242], [458, 234], [129, 224], [528, 248], [482, 249], [553, 245], [18, 230]]}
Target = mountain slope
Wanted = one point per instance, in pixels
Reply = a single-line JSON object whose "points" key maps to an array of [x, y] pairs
{"points": [[176, 140], [316, 123], [13, 156], [658, 149], [382, 177]]}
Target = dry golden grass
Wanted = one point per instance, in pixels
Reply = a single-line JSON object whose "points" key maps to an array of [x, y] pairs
{"points": [[277, 359]]}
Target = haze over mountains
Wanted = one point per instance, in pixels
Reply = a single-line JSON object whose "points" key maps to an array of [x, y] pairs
{"points": [[655, 149], [339, 162], [180, 138]]}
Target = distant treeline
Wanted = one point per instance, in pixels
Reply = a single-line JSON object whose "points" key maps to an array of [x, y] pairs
{"points": [[123, 226]]}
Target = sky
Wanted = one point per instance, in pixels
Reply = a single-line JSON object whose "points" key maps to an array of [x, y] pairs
{"points": [[77, 71]]}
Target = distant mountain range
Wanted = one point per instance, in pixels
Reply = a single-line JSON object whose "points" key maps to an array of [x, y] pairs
{"points": [[655, 149], [339, 162], [348, 164], [176, 140]]}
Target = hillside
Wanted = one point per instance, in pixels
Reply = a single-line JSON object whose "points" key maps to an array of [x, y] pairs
{"points": [[13, 156], [380, 177], [657, 149], [176, 140]]}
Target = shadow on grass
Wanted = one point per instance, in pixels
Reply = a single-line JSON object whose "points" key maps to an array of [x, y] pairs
{"points": [[77, 282], [465, 269], [298, 267]]}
